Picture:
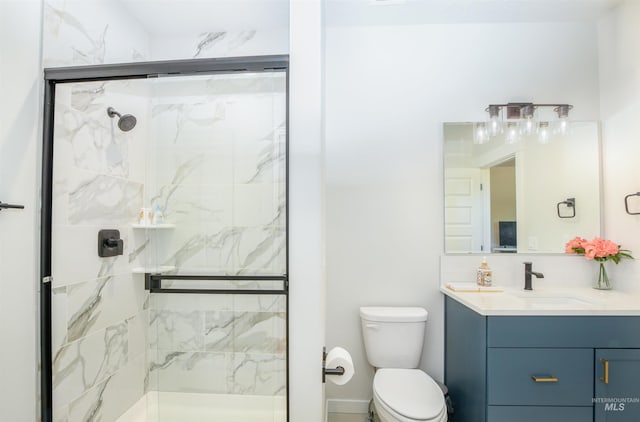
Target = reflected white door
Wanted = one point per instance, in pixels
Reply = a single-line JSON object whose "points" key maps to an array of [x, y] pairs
{"points": [[465, 210]]}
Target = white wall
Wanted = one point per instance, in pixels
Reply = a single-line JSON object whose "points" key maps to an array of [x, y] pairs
{"points": [[567, 167], [307, 286], [20, 103], [619, 66], [389, 90]]}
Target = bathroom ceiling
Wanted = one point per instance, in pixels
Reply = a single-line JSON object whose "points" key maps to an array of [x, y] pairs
{"points": [[407, 12], [187, 16]]}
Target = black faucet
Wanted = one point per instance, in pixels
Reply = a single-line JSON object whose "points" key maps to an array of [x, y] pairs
{"points": [[527, 275]]}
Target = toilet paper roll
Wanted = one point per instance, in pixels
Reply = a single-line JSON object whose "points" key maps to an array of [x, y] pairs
{"points": [[340, 357]]}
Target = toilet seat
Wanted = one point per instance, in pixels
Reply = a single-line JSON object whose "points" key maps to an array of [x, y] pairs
{"points": [[385, 414], [408, 395]]}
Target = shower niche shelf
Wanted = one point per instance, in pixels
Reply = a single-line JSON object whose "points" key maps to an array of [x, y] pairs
{"points": [[153, 226], [153, 270], [154, 235]]}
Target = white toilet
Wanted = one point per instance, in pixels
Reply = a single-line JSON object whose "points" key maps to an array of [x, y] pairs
{"points": [[393, 339]]}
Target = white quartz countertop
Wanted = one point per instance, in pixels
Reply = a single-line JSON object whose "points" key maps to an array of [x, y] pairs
{"points": [[550, 301]]}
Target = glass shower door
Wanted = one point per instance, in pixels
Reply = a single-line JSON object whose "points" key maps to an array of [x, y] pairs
{"points": [[188, 321], [218, 306], [219, 353]]}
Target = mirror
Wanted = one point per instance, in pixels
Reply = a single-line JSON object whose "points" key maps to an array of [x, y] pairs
{"points": [[525, 196]]}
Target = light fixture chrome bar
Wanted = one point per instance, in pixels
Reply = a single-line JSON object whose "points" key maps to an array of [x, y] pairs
{"points": [[526, 110]]}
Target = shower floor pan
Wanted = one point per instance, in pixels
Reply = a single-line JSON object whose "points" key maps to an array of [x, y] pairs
{"points": [[196, 407]]}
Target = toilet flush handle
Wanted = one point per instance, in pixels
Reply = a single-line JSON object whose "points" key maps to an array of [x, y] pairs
{"points": [[375, 327]]}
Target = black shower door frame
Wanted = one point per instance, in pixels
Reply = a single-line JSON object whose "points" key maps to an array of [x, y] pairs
{"points": [[140, 70]]}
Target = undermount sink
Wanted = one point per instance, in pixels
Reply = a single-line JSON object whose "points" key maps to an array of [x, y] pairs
{"points": [[550, 300]]}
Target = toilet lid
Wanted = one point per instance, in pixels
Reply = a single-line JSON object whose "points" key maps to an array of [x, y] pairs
{"points": [[409, 392]]}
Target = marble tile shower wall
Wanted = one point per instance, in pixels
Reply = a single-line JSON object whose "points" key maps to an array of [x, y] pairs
{"points": [[89, 32], [231, 344], [218, 172], [85, 32], [99, 316], [211, 153]]}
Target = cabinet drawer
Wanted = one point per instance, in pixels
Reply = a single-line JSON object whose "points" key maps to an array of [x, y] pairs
{"points": [[537, 414], [563, 331], [565, 377]]}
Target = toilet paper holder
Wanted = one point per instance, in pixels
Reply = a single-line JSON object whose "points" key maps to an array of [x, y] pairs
{"points": [[329, 371]]}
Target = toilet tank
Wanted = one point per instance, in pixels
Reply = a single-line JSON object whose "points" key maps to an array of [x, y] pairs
{"points": [[393, 336]]}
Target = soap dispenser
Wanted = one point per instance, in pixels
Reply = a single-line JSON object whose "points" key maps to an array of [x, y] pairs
{"points": [[484, 274], [158, 216]]}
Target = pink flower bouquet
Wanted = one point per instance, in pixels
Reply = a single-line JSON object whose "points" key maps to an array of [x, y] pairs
{"points": [[598, 249]]}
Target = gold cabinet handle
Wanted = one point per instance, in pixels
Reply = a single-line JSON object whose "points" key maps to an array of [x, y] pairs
{"points": [[605, 364], [549, 378]]}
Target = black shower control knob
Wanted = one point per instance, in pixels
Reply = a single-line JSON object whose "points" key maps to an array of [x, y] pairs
{"points": [[109, 243], [112, 242]]}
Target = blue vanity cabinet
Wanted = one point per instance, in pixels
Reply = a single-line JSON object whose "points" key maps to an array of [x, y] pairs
{"points": [[540, 368], [539, 377], [617, 381], [465, 361]]}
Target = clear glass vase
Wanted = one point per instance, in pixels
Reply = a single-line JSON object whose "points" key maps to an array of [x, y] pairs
{"points": [[602, 281]]}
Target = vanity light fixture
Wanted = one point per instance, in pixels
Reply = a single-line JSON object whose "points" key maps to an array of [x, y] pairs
{"points": [[527, 114], [563, 118], [480, 133], [495, 122], [513, 133], [522, 116], [544, 133]]}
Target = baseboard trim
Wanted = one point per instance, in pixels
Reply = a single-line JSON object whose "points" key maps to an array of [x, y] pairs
{"points": [[347, 406]]}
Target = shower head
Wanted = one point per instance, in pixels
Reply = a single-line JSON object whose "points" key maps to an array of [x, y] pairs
{"points": [[126, 122]]}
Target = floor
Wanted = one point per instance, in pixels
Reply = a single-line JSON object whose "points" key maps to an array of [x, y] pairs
{"points": [[346, 417]]}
